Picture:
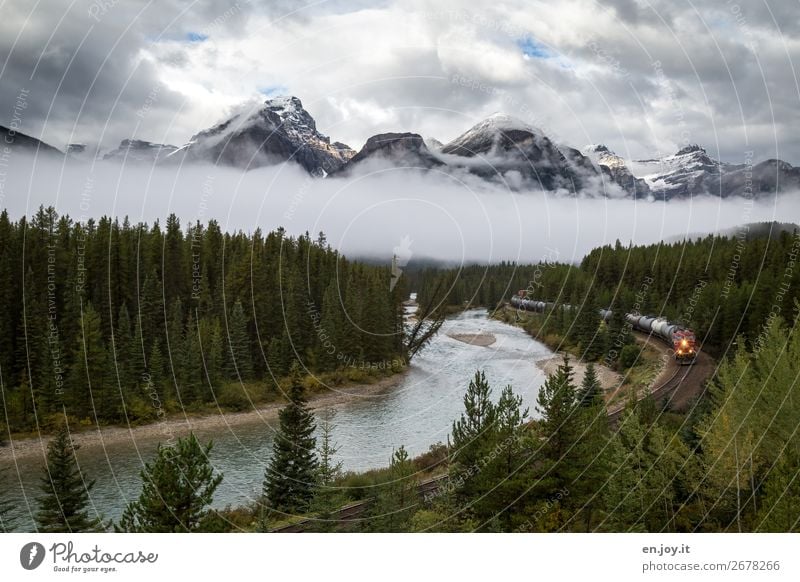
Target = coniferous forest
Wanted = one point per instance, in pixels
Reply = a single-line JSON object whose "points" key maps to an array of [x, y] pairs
{"points": [[112, 322], [123, 319]]}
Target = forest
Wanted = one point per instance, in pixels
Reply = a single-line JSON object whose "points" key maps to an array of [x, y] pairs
{"points": [[729, 464], [111, 322], [723, 287]]}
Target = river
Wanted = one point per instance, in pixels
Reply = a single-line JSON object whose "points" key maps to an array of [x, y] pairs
{"points": [[417, 412]]}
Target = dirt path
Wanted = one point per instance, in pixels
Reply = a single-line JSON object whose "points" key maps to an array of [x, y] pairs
{"points": [[180, 426]]}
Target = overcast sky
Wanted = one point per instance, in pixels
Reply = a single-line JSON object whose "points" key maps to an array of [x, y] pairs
{"points": [[642, 76]]}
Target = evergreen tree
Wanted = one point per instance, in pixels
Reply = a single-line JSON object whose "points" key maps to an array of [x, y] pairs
{"points": [[177, 490], [397, 497], [559, 429], [591, 391], [327, 497], [192, 377], [64, 505], [93, 389], [780, 507], [477, 421], [291, 476], [240, 362]]}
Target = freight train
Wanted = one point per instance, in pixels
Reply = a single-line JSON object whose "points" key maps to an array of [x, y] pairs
{"points": [[681, 339]]}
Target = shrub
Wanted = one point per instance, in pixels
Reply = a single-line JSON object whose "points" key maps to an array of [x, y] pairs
{"points": [[628, 356]]}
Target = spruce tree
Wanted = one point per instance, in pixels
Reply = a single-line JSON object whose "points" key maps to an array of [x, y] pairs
{"points": [[326, 497], [240, 362], [397, 497], [177, 490], [591, 391], [471, 432], [780, 507], [64, 505], [290, 477], [559, 429]]}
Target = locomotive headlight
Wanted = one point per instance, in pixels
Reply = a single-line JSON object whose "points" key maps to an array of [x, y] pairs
{"points": [[684, 342]]}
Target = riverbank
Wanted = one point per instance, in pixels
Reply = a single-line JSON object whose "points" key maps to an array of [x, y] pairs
{"points": [[180, 425]]}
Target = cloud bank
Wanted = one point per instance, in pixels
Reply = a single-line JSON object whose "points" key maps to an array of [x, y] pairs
{"points": [[445, 217]]}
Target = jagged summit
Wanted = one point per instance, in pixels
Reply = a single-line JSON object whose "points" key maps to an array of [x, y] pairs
{"points": [[616, 170], [689, 149], [275, 131]]}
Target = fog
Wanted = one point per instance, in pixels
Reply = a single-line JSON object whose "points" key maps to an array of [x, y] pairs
{"points": [[438, 216]]}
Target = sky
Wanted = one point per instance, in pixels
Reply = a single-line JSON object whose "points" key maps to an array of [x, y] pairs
{"points": [[644, 77]]}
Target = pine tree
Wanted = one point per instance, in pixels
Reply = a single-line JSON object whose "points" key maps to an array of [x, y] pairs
{"points": [[64, 505], [780, 507], [591, 391], [177, 490], [559, 428], [93, 389], [192, 377], [240, 362], [477, 422], [397, 498], [326, 497], [290, 477]]}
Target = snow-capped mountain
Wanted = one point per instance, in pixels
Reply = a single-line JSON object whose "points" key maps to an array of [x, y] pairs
{"points": [[615, 169], [503, 147], [137, 150], [276, 131], [406, 150], [684, 174], [433, 144]]}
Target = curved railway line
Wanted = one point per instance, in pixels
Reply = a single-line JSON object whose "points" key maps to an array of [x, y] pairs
{"points": [[680, 388]]}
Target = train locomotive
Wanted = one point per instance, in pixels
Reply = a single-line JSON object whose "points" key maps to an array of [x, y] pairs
{"points": [[681, 339]]}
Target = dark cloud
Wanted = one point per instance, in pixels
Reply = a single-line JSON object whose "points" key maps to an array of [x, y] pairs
{"points": [[634, 75]]}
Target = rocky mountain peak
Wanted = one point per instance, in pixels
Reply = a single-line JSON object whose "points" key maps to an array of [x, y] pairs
{"points": [[690, 149], [275, 131]]}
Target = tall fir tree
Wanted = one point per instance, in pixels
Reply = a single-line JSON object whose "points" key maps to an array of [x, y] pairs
{"points": [[327, 498], [397, 497], [240, 362], [291, 475], [64, 506], [591, 391]]}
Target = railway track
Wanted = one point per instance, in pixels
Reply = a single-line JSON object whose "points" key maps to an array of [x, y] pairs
{"points": [[352, 512], [659, 393]]}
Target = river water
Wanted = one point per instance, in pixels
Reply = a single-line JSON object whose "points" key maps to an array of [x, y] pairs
{"points": [[417, 413]]}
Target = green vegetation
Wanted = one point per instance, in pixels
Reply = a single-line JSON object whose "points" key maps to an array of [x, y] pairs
{"points": [[291, 476], [177, 490], [124, 323], [64, 505], [720, 286]]}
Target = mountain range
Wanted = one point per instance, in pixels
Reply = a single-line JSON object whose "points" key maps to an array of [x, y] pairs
{"points": [[500, 149]]}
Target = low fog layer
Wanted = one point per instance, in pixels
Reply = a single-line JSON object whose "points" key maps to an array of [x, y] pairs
{"points": [[391, 211]]}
